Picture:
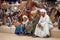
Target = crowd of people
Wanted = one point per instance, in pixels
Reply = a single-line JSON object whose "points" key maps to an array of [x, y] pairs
{"points": [[27, 21]]}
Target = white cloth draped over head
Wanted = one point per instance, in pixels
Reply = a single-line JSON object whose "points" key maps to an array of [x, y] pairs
{"points": [[24, 16], [26, 22], [46, 25], [43, 10]]}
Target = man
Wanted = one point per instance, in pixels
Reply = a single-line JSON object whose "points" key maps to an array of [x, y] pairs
{"points": [[4, 8], [44, 25], [31, 27]]}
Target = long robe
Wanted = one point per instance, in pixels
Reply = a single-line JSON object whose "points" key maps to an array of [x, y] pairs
{"points": [[46, 25]]}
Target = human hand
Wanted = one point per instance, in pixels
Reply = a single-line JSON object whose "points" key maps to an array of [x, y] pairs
{"points": [[39, 24]]}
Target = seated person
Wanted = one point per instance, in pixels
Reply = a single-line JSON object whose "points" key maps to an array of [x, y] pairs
{"points": [[44, 25], [31, 27], [21, 27], [25, 20]]}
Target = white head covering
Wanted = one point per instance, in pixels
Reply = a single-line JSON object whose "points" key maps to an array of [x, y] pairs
{"points": [[43, 10], [24, 16], [25, 22]]}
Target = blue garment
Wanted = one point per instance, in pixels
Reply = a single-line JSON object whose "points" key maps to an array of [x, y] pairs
{"points": [[19, 29]]}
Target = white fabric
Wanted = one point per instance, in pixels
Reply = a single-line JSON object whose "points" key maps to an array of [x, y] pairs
{"points": [[24, 16], [26, 23], [43, 10], [46, 25]]}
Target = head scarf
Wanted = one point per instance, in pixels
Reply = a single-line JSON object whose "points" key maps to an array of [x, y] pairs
{"points": [[24, 16], [43, 10]]}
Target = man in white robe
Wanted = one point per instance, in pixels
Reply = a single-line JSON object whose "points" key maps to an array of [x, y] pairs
{"points": [[44, 25]]}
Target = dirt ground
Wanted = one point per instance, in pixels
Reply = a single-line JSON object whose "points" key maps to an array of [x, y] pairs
{"points": [[7, 36]]}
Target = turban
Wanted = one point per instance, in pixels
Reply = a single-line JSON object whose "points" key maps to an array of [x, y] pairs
{"points": [[43, 10]]}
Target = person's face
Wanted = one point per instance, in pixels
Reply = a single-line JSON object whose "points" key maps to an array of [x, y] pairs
{"points": [[42, 14], [24, 19]]}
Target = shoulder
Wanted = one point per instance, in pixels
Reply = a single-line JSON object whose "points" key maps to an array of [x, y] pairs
{"points": [[47, 16]]}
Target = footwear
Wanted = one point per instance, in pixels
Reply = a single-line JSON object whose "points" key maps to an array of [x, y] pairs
{"points": [[47, 36]]}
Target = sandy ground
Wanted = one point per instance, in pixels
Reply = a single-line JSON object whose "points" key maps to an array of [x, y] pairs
{"points": [[8, 36]]}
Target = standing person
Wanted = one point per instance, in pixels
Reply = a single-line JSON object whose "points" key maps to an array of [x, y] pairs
{"points": [[44, 25], [4, 8], [9, 21]]}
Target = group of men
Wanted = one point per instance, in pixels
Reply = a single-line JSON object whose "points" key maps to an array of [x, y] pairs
{"points": [[39, 25]]}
